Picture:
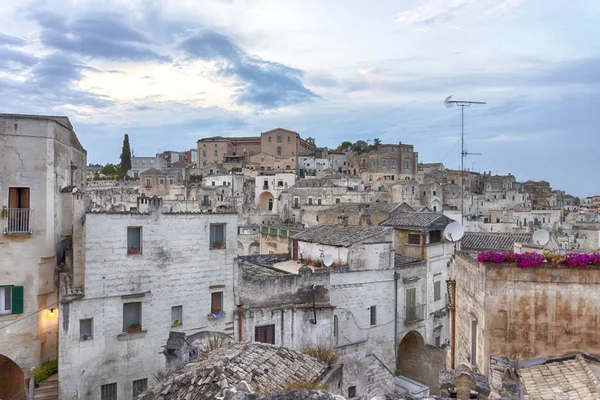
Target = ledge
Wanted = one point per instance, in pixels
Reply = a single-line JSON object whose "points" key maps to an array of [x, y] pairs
{"points": [[135, 295], [216, 287], [131, 336], [214, 317]]}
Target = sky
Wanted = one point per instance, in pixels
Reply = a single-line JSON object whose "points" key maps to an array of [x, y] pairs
{"points": [[171, 72]]}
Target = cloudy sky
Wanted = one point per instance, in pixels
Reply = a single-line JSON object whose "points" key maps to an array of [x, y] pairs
{"points": [[171, 72]]}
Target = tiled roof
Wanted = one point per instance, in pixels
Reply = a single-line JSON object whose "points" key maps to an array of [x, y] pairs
{"points": [[573, 378], [403, 261], [376, 207], [418, 220], [263, 366], [498, 241], [339, 235]]}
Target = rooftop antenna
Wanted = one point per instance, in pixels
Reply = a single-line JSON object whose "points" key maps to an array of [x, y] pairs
{"points": [[463, 153], [453, 232]]}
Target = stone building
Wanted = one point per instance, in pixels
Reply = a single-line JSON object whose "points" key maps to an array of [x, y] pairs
{"points": [[276, 238], [474, 242], [277, 142], [142, 164], [268, 188], [42, 175], [522, 313], [385, 165], [360, 214], [143, 275], [111, 195], [169, 183]]}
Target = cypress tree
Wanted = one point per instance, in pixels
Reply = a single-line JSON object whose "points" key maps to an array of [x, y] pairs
{"points": [[125, 156]]}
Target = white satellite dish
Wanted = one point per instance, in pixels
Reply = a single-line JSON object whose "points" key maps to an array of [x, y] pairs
{"points": [[541, 237], [328, 260], [165, 209], [176, 207], [454, 231]]}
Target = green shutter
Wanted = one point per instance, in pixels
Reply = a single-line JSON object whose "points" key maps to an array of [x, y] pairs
{"points": [[273, 231], [17, 300], [265, 229], [238, 230], [292, 233], [284, 232]]}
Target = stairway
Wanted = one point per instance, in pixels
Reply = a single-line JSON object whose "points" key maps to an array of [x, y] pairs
{"points": [[48, 389]]}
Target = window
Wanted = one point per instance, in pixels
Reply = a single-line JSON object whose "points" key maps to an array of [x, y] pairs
{"points": [[265, 334], [437, 340], [11, 299], [280, 183], [437, 291], [435, 236], [384, 163], [203, 153], [296, 202], [335, 328], [18, 211], [176, 315], [310, 201], [278, 150], [338, 200], [217, 236], [109, 391], [269, 138], [351, 392], [139, 387], [407, 164], [134, 240], [86, 328], [434, 193], [132, 314], [414, 239], [161, 181], [279, 138], [393, 164], [289, 139], [319, 201], [170, 181], [216, 303], [136, 174], [216, 153], [374, 163], [373, 314]]}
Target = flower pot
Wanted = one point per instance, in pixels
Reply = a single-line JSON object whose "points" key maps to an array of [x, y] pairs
{"points": [[217, 245], [137, 329], [133, 251]]}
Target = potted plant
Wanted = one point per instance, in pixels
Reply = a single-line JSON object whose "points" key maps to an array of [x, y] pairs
{"points": [[133, 250], [85, 337], [176, 323], [134, 328], [217, 245]]}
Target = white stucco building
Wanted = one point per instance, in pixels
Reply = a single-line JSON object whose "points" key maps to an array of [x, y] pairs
{"points": [[268, 187], [42, 168], [145, 275]]}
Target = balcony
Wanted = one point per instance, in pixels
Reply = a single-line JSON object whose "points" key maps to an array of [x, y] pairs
{"points": [[265, 187], [18, 220], [414, 314], [206, 203]]}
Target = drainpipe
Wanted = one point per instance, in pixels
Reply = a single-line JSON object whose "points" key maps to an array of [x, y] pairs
{"points": [[422, 246], [240, 324], [452, 309], [396, 277]]}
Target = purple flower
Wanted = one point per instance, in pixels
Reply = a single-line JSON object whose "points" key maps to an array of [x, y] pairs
{"points": [[578, 260]]}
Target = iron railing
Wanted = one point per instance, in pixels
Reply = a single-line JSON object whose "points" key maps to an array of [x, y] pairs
{"points": [[414, 314], [18, 220], [206, 202]]}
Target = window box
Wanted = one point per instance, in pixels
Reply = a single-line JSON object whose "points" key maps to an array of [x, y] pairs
{"points": [[214, 317], [217, 245], [134, 328], [133, 250]]}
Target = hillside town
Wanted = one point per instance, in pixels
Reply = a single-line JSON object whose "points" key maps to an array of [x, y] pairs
{"points": [[247, 266]]}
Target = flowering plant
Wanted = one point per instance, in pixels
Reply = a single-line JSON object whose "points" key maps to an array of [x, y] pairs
{"points": [[526, 260], [577, 260], [595, 259]]}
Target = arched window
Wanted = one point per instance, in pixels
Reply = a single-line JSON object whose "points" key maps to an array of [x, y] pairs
{"points": [[278, 150]]}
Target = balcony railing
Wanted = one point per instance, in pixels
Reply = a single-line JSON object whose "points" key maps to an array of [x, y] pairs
{"points": [[18, 220], [414, 314], [206, 202], [265, 187]]}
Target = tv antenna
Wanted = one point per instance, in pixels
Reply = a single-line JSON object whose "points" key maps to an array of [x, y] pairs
{"points": [[463, 153], [453, 232], [541, 237]]}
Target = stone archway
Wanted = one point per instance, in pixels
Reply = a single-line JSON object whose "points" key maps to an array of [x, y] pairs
{"points": [[12, 380], [265, 201], [410, 351], [254, 248]]}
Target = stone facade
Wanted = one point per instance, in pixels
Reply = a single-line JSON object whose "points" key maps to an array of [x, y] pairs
{"points": [[174, 266], [503, 310], [42, 173]]}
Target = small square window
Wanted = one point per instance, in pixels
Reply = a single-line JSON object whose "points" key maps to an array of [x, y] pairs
{"points": [[108, 391], [217, 236], [414, 239], [171, 181], [139, 387], [176, 315], [132, 316], [134, 240], [265, 334], [161, 181], [351, 392], [216, 303], [337, 200], [86, 328]]}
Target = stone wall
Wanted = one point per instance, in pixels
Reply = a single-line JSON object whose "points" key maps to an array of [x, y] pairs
{"points": [[175, 268]]}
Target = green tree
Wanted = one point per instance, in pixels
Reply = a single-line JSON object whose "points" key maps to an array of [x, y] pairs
{"points": [[125, 156], [345, 146], [376, 143], [360, 146], [110, 170]]}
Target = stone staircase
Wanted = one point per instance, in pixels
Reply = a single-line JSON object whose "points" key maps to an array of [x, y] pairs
{"points": [[48, 389]]}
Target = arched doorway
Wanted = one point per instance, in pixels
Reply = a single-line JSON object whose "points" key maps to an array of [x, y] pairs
{"points": [[12, 383], [265, 201], [254, 248], [410, 352]]}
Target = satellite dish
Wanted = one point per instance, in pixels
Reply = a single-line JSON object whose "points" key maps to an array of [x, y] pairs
{"points": [[176, 207], [328, 260], [447, 102], [165, 209], [541, 237], [454, 231]]}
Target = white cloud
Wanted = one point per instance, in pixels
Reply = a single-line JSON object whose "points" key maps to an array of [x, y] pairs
{"points": [[452, 11]]}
